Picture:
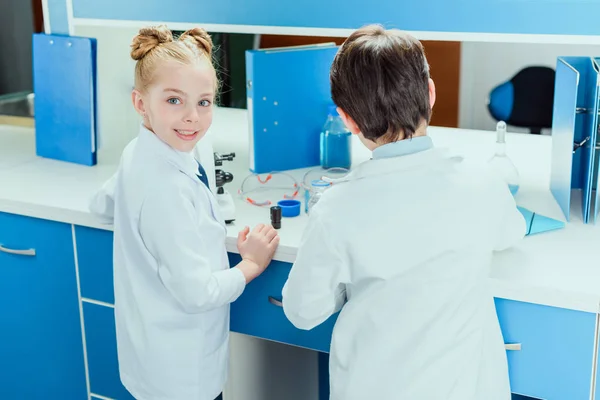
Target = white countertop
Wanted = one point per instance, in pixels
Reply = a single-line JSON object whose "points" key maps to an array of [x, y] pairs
{"points": [[558, 268]]}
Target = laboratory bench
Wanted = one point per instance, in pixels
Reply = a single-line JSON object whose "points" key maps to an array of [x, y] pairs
{"points": [[56, 274]]}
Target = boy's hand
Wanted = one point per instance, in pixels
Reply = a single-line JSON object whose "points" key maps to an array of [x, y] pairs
{"points": [[256, 248]]}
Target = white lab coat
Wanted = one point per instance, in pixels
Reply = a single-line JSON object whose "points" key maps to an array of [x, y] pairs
{"points": [[404, 245], [172, 280]]}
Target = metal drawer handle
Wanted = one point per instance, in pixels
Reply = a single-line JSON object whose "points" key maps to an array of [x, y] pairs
{"points": [[512, 346], [30, 252], [275, 302]]}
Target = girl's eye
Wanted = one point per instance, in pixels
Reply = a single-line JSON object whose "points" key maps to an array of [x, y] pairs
{"points": [[173, 100], [204, 103]]}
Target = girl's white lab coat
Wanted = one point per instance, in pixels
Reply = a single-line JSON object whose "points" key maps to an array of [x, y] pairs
{"points": [[172, 280], [404, 244]]}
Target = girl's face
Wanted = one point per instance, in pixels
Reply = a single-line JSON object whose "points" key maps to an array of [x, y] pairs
{"points": [[178, 104]]}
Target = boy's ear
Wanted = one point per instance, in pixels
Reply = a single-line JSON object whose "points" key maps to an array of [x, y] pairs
{"points": [[431, 93], [348, 121], [138, 102]]}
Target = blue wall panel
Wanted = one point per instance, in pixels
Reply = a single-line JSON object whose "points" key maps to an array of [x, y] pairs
{"points": [[493, 16], [59, 20]]}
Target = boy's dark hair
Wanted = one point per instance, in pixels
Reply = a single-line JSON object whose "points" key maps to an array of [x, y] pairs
{"points": [[381, 80]]}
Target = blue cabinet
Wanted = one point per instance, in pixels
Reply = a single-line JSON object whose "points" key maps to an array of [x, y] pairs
{"points": [[557, 350], [101, 344], [95, 258], [258, 312], [41, 350], [554, 361], [95, 255]]}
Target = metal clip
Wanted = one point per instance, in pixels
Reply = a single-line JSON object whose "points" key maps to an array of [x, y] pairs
{"points": [[577, 146], [512, 346], [583, 110]]}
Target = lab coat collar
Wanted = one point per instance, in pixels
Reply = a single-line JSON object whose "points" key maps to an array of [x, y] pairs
{"points": [[183, 161], [390, 165], [403, 147]]}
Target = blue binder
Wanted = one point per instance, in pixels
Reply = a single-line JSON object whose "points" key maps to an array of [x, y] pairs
{"points": [[64, 74], [288, 93], [574, 133], [595, 207]]}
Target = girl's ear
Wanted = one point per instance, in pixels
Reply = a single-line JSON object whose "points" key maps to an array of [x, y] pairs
{"points": [[138, 102]]}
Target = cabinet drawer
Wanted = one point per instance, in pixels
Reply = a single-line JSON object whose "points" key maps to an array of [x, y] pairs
{"points": [[101, 345], [557, 349], [95, 257], [25, 241], [257, 312]]}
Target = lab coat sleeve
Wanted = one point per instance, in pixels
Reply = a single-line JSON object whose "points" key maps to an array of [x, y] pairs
{"points": [[170, 232], [316, 287], [102, 204], [511, 223]]}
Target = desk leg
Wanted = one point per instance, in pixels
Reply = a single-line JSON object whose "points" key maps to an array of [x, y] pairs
{"points": [[323, 376]]}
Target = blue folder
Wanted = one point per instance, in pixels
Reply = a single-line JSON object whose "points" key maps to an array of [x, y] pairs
{"points": [[574, 134], [64, 73], [288, 94]]}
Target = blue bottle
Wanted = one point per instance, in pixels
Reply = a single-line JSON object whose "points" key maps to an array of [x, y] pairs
{"points": [[335, 142]]}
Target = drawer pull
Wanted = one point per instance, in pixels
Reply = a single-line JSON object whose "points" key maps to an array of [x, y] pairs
{"points": [[30, 252], [275, 302], [512, 346]]}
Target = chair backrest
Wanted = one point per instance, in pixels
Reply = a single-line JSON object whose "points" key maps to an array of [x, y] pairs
{"points": [[526, 100]]}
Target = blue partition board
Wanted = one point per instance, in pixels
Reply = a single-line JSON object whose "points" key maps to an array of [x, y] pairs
{"points": [[590, 130], [596, 175], [585, 128], [561, 17], [563, 131]]}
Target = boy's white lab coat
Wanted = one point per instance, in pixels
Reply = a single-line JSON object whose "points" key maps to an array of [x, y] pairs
{"points": [[172, 280], [405, 245]]}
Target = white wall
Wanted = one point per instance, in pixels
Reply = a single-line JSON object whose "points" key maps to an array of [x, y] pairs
{"points": [[118, 123], [259, 370], [485, 65]]}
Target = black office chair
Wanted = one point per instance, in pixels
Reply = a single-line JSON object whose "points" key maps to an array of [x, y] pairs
{"points": [[526, 100]]}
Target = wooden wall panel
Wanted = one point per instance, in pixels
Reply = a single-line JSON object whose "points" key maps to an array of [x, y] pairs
{"points": [[444, 62]]}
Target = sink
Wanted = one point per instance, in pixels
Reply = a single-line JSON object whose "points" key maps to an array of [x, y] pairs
{"points": [[17, 104], [16, 109]]}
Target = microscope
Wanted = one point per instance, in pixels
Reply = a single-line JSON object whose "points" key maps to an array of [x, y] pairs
{"points": [[224, 199]]}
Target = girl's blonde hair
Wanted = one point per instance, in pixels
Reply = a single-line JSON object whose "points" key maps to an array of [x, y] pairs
{"points": [[153, 45]]}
